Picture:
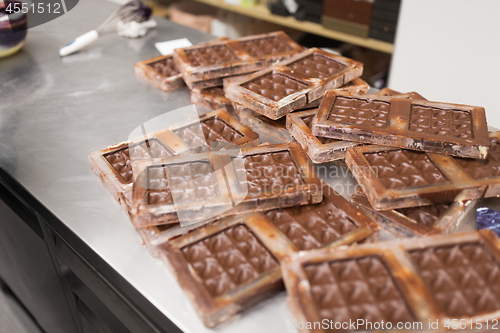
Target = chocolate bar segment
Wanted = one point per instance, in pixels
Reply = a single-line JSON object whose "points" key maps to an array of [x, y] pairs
{"points": [[224, 267], [467, 292], [219, 59], [437, 278], [161, 72], [333, 220], [293, 83], [395, 178], [443, 128], [417, 221], [148, 149], [358, 288], [258, 179]]}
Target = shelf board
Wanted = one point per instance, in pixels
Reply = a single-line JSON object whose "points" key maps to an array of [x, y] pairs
{"points": [[262, 12]]}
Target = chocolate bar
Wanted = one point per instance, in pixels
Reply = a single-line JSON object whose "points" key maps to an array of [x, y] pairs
{"points": [[161, 72], [321, 149], [115, 165], [376, 286], [213, 61], [221, 183], [332, 221], [212, 98], [443, 128], [277, 128], [395, 178], [231, 264], [293, 83], [417, 221]]}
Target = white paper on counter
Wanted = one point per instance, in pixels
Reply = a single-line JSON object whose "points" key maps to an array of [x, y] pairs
{"points": [[169, 46]]}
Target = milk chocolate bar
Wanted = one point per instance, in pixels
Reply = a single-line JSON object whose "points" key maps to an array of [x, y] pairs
{"points": [[417, 221], [215, 129], [233, 263], [277, 128], [291, 84], [161, 72], [213, 61], [443, 128], [115, 166], [222, 183], [438, 278], [321, 149], [395, 178], [332, 222]]}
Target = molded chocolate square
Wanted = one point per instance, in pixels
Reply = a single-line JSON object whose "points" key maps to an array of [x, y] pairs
{"points": [[233, 263], [444, 128], [115, 167], [217, 128], [212, 98], [293, 83], [223, 183], [417, 221], [277, 128], [332, 222], [226, 266], [238, 56], [395, 178], [161, 72], [321, 149], [433, 278]]}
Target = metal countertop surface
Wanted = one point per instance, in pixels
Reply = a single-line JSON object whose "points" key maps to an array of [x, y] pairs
{"points": [[55, 111]]}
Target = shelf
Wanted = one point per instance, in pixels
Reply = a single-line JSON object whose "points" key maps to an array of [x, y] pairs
{"points": [[262, 12]]}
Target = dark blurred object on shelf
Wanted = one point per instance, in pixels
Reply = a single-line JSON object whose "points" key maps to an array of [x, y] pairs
{"points": [[278, 8], [350, 16], [309, 10], [193, 14], [384, 19]]}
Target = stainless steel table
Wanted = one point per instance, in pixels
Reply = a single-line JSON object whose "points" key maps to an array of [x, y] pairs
{"points": [[53, 113]]}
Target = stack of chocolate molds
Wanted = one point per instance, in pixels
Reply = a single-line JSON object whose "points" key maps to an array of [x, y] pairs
{"points": [[206, 65]]}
